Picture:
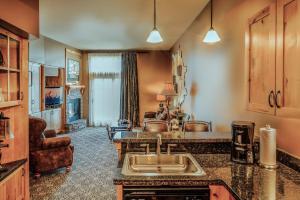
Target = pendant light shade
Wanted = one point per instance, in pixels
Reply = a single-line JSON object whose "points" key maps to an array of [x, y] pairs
{"points": [[154, 36], [211, 36]]}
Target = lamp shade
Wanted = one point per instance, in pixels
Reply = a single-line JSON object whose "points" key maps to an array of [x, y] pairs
{"points": [[160, 97], [211, 36], [154, 36], [168, 90]]}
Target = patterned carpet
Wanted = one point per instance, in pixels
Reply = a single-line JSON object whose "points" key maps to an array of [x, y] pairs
{"points": [[92, 171]]}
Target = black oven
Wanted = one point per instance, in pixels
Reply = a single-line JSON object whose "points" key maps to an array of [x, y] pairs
{"points": [[166, 193]]}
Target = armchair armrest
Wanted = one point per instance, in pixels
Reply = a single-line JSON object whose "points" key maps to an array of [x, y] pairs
{"points": [[50, 143], [49, 133]]}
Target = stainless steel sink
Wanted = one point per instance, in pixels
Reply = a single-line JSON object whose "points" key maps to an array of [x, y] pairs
{"points": [[136, 164]]}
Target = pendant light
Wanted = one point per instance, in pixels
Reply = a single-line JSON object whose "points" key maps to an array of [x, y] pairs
{"points": [[211, 36], [154, 36]]}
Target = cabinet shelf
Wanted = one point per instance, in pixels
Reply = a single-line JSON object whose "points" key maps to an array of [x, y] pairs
{"points": [[14, 70], [3, 68], [10, 104]]}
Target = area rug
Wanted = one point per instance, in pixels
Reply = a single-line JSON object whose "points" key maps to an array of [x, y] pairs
{"points": [[92, 172]]}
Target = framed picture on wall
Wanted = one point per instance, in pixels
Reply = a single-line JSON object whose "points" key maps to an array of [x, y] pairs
{"points": [[73, 71]]}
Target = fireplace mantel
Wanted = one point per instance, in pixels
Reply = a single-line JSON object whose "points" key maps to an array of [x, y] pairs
{"points": [[75, 87]]}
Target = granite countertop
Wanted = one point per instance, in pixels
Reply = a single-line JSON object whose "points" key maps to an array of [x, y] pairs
{"points": [[174, 137], [243, 181], [11, 167]]}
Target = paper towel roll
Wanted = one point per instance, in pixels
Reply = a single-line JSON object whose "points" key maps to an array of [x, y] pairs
{"points": [[267, 152]]}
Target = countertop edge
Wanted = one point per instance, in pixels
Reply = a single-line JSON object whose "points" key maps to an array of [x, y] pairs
{"points": [[177, 183], [12, 167]]}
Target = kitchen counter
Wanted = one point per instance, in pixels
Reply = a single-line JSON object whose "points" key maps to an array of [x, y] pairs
{"points": [[173, 137], [243, 181], [11, 167]]}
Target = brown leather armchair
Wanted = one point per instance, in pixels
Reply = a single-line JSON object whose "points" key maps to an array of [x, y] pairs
{"points": [[197, 126], [156, 126], [46, 151]]}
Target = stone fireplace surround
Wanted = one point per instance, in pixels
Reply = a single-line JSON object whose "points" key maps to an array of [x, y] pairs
{"points": [[74, 92]]}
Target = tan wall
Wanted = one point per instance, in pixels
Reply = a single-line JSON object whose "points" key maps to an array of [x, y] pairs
{"points": [[22, 14], [154, 69], [218, 75]]}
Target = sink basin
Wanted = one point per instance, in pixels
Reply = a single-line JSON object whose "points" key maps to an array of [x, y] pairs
{"points": [[161, 165]]}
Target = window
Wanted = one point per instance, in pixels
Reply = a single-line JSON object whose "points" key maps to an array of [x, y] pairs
{"points": [[104, 75]]}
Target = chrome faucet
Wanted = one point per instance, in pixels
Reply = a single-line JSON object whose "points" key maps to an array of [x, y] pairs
{"points": [[159, 142]]}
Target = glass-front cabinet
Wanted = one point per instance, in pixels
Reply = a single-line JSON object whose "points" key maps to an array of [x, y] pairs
{"points": [[10, 69]]}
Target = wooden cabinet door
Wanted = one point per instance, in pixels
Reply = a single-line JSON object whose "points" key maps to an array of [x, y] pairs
{"points": [[35, 88], [288, 62], [260, 58], [2, 191], [19, 180], [46, 115], [15, 185], [56, 119]]}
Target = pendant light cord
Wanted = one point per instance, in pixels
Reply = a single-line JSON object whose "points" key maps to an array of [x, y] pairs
{"points": [[211, 14], [154, 14]]}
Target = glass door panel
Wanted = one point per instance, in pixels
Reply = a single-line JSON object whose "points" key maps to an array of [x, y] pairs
{"points": [[14, 54], [14, 86], [3, 50], [3, 85]]}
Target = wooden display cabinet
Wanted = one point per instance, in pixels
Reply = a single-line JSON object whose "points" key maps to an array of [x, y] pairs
{"points": [[10, 69]]}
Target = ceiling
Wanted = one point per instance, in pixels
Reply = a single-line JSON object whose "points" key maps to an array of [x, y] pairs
{"points": [[116, 24]]}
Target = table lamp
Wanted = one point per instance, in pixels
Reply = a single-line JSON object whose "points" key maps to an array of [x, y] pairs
{"points": [[168, 92], [161, 98]]}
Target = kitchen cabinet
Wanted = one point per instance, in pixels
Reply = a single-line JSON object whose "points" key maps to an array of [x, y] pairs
{"points": [[272, 51], [287, 60], [13, 187], [219, 192], [53, 118], [37, 114], [37, 50], [47, 51], [260, 38], [54, 53]]}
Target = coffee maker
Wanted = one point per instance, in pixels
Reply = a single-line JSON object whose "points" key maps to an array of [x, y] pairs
{"points": [[242, 145]]}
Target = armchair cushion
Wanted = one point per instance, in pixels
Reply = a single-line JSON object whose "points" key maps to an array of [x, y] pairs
{"points": [[56, 142], [49, 134]]}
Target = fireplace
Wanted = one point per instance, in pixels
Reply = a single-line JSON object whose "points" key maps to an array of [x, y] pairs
{"points": [[74, 109]]}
